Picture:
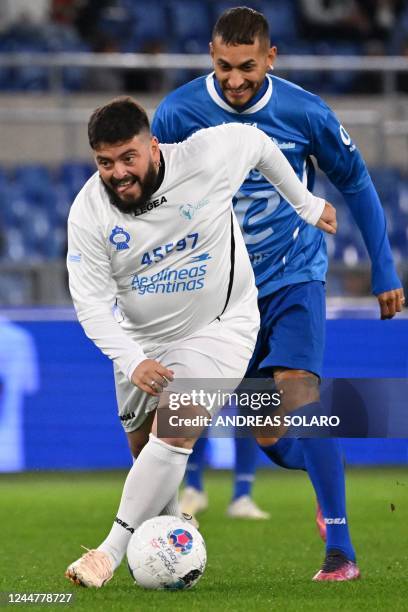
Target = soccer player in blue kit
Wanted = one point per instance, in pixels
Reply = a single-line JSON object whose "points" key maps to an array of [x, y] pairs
{"points": [[289, 257]]}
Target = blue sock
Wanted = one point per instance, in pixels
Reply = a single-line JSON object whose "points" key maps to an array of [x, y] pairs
{"points": [[245, 465], [324, 464], [323, 460], [195, 465], [286, 452]]}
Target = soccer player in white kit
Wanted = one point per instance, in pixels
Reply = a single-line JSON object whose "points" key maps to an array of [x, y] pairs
{"points": [[162, 284]]}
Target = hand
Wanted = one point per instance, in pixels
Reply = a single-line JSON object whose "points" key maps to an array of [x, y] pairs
{"points": [[150, 376], [391, 302], [327, 221]]}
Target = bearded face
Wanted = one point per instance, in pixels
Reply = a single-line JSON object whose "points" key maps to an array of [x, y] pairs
{"points": [[129, 171]]}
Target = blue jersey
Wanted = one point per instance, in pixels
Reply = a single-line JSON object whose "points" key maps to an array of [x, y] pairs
{"points": [[284, 250]]}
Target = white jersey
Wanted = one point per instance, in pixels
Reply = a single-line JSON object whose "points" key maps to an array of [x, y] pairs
{"points": [[169, 267]]}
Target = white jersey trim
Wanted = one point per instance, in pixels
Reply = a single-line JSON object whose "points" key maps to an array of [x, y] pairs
{"points": [[214, 95]]}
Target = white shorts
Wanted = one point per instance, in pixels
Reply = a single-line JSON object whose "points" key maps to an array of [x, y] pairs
{"points": [[221, 350]]}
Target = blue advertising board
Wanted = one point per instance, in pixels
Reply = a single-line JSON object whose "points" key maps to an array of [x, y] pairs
{"points": [[66, 417]]}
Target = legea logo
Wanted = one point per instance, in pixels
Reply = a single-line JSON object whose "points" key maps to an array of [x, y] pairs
{"points": [[341, 520]]}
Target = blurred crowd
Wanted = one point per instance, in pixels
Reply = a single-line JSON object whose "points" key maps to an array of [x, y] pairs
{"points": [[374, 23], [317, 27]]}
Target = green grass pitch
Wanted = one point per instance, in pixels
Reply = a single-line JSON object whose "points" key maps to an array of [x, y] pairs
{"points": [[262, 566]]}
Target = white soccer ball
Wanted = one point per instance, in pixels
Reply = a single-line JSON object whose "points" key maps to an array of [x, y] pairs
{"points": [[166, 552]]}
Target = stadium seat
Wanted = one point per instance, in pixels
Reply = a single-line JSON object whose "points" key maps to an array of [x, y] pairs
{"points": [[335, 81], [282, 20], [115, 21], [403, 195], [190, 21], [32, 174], [36, 227], [15, 248], [309, 79], [74, 174], [352, 254], [220, 6], [55, 247], [387, 183], [35, 183], [62, 204], [148, 21], [63, 38], [31, 78], [14, 205], [399, 238], [25, 38]]}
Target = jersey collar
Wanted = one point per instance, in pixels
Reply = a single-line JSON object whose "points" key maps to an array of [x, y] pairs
{"points": [[215, 96]]}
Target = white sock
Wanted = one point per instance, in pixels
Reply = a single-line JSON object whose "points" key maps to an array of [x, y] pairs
{"points": [[173, 507], [150, 485]]}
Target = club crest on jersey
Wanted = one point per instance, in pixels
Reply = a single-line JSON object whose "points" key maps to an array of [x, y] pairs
{"points": [[119, 238], [187, 211]]}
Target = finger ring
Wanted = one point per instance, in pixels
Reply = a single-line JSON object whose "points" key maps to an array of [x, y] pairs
{"points": [[153, 383]]}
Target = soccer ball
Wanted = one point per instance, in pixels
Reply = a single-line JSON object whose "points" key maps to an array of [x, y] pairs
{"points": [[166, 552]]}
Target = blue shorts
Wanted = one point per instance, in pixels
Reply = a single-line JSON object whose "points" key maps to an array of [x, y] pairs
{"points": [[292, 334]]}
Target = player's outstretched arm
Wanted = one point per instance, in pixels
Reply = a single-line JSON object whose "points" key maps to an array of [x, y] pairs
{"points": [[328, 220], [257, 150]]}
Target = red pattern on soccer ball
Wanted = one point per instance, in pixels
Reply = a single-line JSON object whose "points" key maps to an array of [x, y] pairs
{"points": [[181, 539]]}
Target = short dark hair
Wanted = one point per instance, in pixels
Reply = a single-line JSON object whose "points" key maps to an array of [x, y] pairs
{"points": [[242, 26], [117, 121]]}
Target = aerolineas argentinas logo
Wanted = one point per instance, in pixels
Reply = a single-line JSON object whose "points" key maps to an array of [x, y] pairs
{"points": [[171, 280]]}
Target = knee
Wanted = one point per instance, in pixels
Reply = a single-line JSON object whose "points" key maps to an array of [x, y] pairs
{"points": [[296, 387], [182, 433]]}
